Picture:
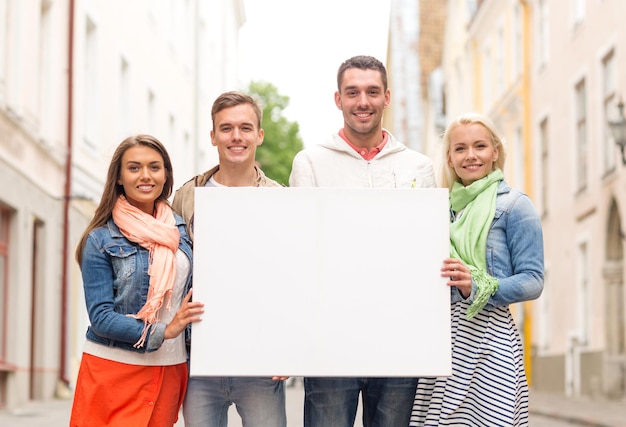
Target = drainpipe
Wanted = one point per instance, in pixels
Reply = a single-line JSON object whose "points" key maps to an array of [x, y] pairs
{"points": [[67, 198]]}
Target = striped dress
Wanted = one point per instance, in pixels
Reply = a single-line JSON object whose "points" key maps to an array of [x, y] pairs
{"points": [[488, 384]]}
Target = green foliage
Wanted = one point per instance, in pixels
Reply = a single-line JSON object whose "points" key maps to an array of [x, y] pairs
{"points": [[282, 142]]}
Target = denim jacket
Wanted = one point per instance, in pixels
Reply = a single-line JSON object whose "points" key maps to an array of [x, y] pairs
{"points": [[514, 250], [116, 282]]}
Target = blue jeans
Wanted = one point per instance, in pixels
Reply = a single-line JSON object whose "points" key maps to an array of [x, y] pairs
{"points": [[259, 401], [332, 402]]}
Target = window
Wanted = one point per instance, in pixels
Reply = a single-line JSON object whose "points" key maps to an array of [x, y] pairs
{"points": [[172, 131], [487, 80], [581, 136], [186, 29], [124, 98], [471, 6], [545, 160], [518, 41], [500, 62], [583, 293], [4, 298], [14, 61], [90, 70], [461, 91], [544, 308], [578, 11], [519, 159], [4, 40], [609, 84], [543, 42], [152, 118], [46, 102], [4, 288]]}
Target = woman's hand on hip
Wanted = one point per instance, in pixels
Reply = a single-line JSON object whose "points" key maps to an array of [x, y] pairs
{"points": [[189, 311]]}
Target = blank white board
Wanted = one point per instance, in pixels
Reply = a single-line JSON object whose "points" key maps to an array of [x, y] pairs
{"points": [[321, 282]]}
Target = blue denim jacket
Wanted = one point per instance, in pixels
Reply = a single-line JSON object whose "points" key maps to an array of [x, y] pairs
{"points": [[116, 282], [514, 250]]}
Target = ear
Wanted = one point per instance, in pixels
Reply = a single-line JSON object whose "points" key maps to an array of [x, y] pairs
{"points": [[261, 136], [387, 98], [213, 143], [496, 154], [449, 160], [338, 99]]}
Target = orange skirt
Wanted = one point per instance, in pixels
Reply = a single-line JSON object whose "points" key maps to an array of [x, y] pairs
{"points": [[116, 394]]}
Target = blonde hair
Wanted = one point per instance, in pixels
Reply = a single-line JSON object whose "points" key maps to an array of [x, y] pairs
{"points": [[448, 175]]}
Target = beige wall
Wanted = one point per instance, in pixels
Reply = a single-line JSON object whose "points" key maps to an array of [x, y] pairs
{"points": [[575, 300], [184, 53]]}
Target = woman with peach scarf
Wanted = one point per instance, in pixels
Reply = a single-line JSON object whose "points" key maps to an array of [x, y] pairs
{"points": [[136, 264]]}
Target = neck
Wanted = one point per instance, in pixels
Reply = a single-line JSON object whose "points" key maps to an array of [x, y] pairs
{"points": [[364, 140], [236, 176]]}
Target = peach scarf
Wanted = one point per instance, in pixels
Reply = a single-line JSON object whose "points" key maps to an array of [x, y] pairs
{"points": [[160, 236]]}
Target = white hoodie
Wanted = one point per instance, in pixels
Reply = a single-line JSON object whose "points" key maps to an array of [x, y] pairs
{"points": [[335, 164]]}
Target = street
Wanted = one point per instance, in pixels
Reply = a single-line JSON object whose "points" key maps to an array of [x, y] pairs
{"points": [[547, 410], [295, 399]]}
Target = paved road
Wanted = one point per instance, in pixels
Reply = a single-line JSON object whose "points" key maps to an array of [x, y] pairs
{"points": [[56, 414]]}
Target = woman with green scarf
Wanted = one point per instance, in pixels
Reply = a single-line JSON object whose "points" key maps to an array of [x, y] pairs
{"points": [[496, 259]]}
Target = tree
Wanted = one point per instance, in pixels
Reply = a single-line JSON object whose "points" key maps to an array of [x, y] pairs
{"points": [[282, 141]]}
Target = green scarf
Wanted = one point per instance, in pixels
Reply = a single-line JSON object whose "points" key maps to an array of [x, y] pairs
{"points": [[468, 234]]}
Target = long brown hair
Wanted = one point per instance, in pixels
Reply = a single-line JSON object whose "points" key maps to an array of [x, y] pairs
{"points": [[112, 190]]}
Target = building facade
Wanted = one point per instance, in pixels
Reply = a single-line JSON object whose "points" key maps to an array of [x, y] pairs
{"points": [[404, 116], [76, 78], [577, 67]]}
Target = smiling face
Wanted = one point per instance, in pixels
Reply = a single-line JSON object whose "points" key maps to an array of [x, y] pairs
{"points": [[362, 98], [472, 152], [236, 134], [143, 175]]}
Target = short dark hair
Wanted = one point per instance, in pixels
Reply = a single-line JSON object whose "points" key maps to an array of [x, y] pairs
{"points": [[232, 99], [362, 62]]}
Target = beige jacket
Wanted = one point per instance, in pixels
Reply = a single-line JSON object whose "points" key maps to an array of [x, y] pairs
{"points": [[183, 203]]}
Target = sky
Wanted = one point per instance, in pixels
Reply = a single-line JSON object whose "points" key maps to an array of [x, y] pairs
{"points": [[298, 46]]}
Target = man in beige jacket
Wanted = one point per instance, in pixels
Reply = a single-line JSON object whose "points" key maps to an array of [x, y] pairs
{"points": [[236, 133]]}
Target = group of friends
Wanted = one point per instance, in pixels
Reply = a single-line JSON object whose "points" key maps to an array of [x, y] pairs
{"points": [[136, 262]]}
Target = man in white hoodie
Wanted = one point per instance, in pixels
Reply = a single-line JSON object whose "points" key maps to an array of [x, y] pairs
{"points": [[361, 154]]}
